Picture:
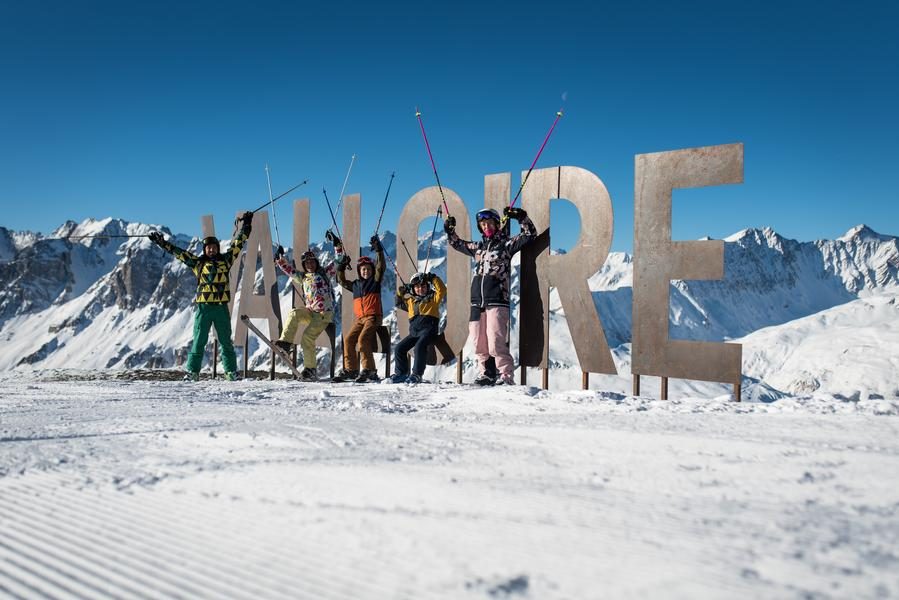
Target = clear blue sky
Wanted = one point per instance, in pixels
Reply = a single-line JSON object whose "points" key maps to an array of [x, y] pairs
{"points": [[161, 112]]}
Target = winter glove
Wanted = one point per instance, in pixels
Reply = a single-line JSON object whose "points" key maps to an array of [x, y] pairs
{"points": [[515, 213], [335, 241], [279, 253], [156, 238], [404, 289], [429, 277], [247, 219], [375, 242], [343, 261], [283, 264], [449, 225]]}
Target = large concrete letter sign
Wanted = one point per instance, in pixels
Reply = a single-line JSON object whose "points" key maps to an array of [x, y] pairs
{"points": [[423, 206], [264, 305], [351, 230], [658, 260], [300, 245], [568, 273]]}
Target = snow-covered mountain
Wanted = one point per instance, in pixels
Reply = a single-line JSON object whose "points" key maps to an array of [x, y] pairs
{"points": [[123, 303]]}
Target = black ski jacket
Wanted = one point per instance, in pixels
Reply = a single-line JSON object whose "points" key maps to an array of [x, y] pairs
{"points": [[493, 263]]}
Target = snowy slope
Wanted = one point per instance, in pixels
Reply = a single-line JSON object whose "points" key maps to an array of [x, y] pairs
{"points": [[848, 350], [259, 489]]}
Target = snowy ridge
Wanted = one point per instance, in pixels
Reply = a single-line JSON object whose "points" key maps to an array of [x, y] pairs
{"points": [[98, 303]]}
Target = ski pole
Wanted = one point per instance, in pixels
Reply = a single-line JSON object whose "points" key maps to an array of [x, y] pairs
{"points": [[395, 270], [101, 236], [345, 180], [431, 156], [431, 241], [333, 220], [384, 205], [279, 196], [409, 254], [274, 218], [539, 152]]}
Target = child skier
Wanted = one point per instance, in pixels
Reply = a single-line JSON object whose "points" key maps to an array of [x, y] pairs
{"points": [[213, 293], [316, 312], [367, 310], [489, 319], [421, 299]]}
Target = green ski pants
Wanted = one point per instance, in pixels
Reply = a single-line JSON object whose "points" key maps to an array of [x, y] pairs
{"points": [[206, 316]]}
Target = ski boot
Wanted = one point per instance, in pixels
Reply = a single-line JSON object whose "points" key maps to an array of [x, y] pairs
{"points": [[413, 379], [308, 375], [367, 375], [484, 380], [231, 376], [345, 375], [191, 376]]}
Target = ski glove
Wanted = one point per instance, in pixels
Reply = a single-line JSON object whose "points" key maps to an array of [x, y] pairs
{"points": [[515, 213], [404, 289], [247, 219], [449, 224], [335, 241], [343, 261], [156, 238], [375, 242], [279, 253]]}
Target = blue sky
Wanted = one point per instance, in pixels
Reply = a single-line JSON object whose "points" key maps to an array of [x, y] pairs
{"points": [[164, 111]]}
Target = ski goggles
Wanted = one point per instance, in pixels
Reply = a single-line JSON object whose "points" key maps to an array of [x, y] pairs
{"points": [[486, 215]]}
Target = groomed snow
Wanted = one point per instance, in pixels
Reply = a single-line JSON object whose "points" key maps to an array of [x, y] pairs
{"points": [[119, 488]]}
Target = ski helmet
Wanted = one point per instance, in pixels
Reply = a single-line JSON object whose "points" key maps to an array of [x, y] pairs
{"points": [[486, 214], [211, 241], [419, 278], [364, 260], [309, 255]]}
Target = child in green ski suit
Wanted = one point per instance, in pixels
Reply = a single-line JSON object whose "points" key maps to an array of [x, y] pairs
{"points": [[212, 269]]}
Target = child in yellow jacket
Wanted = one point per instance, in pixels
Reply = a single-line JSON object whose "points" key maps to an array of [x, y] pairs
{"points": [[421, 299]]}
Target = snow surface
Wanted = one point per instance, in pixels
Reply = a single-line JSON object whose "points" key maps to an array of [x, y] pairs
{"points": [[112, 487]]}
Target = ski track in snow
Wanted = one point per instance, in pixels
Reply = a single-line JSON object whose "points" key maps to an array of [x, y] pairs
{"points": [[130, 489]]}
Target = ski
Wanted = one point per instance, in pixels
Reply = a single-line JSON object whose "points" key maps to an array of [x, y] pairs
{"points": [[284, 356]]}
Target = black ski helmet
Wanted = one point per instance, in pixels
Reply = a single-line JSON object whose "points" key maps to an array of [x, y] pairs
{"points": [[211, 241], [418, 278]]}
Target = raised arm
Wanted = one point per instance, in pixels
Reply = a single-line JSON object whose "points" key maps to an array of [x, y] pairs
{"points": [[241, 238], [528, 231], [439, 288], [343, 261], [380, 265], [463, 246], [181, 254]]}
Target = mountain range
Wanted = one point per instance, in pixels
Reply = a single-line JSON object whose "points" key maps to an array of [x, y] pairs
{"points": [[814, 317]]}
